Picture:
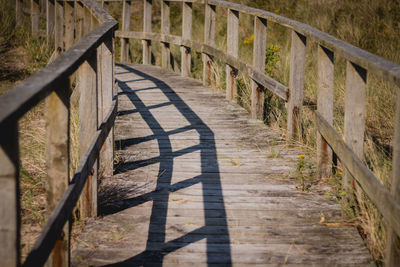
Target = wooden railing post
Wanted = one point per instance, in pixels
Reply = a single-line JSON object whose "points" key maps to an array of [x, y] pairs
{"points": [[57, 162], [325, 108], [59, 27], [105, 95], [87, 21], [165, 29], [260, 44], [50, 21], [35, 15], [354, 116], [69, 18], [88, 125], [147, 28], [232, 43], [9, 193], [18, 12], [126, 18], [296, 84], [186, 34], [392, 253], [209, 39], [79, 20]]}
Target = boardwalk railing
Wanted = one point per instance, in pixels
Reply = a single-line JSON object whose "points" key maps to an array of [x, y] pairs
{"points": [[93, 76], [348, 149], [86, 66]]}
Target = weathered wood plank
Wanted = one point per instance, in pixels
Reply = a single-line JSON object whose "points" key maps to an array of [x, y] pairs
{"points": [[325, 108], [354, 116], [59, 28], [57, 163], [296, 84], [18, 12], [209, 39], [232, 44], [9, 192], [165, 29], [50, 21], [126, 18], [186, 35], [88, 120], [259, 46], [147, 6], [392, 253], [69, 18], [35, 16]]}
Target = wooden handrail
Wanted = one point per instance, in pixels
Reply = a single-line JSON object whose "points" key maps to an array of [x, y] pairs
{"points": [[89, 65], [359, 63]]}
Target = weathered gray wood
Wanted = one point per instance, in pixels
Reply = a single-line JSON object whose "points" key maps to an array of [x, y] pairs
{"points": [[62, 212], [126, 18], [296, 84], [259, 46], [18, 12], [380, 196], [325, 108], [209, 39], [147, 6], [354, 116], [105, 96], [88, 120], [35, 16], [69, 19], [87, 21], [57, 163], [186, 34], [79, 20], [232, 44], [165, 29], [59, 27], [392, 253], [50, 21], [9, 193]]}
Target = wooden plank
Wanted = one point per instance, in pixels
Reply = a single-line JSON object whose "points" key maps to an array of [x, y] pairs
{"points": [[384, 201], [126, 18], [59, 28], [87, 21], [209, 39], [50, 21], [69, 19], [186, 34], [296, 85], [354, 116], [105, 96], [65, 206], [79, 20], [18, 12], [232, 43], [325, 108], [57, 162], [9, 192], [392, 253], [259, 46], [147, 5], [88, 120], [35, 16], [165, 29]]}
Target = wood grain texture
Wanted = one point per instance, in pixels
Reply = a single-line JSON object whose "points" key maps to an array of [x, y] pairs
{"points": [[354, 114], [325, 107], [35, 16], [57, 163], [296, 84], [50, 20], [69, 31], [209, 39], [200, 183], [9, 193], [59, 27], [165, 29], [186, 57], [259, 46], [232, 44], [126, 18], [147, 6]]}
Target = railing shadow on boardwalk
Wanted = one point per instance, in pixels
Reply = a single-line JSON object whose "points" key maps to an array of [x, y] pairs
{"points": [[214, 208]]}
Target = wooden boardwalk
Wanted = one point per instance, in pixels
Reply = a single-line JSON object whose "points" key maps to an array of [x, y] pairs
{"points": [[198, 183]]}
